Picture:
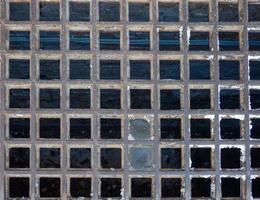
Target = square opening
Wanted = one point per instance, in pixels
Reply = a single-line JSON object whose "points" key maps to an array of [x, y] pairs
{"points": [[254, 40], [169, 41], [49, 11], [168, 12], [79, 40], [254, 69], [79, 69], [199, 69], [200, 128], [109, 40], [110, 158], [80, 158], [80, 187], [50, 157], [229, 99], [229, 41], [171, 158], [109, 11], [19, 187], [141, 158], [19, 40], [170, 128], [198, 12], [110, 70], [50, 128], [200, 158], [50, 187], [19, 11], [229, 70], [170, 99], [49, 69], [255, 127], [110, 98], [228, 12], [230, 128], [255, 158], [80, 98], [199, 41], [140, 69], [19, 98], [255, 184], [19, 157], [254, 98], [253, 12], [80, 128], [170, 69], [49, 40], [171, 187], [231, 158], [79, 11], [110, 128], [140, 129], [200, 99], [139, 40], [111, 187], [200, 187], [19, 69], [141, 187], [140, 99], [49, 98], [230, 187], [138, 11], [19, 127]]}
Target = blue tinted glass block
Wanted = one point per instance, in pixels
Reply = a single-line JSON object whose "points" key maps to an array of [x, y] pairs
{"points": [[169, 41], [253, 11], [229, 41], [110, 70], [49, 69], [138, 12], [49, 40], [79, 11], [109, 40], [79, 40], [199, 69], [79, 69], [140, 69], [229, 99], [19, 69], [254, 41], [19, 98], [109, 11], [19, 11], [19, 40], [229, 70], [141, 158], [168, 12], [49, 11], [170, 69], [254, 69], [139, 40], [199, 41], [198, 12]]}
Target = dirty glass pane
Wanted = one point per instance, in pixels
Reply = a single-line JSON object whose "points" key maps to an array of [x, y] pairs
{"points": [[255, 186], [111, 158], [255, 127], [80, 98], [171, 158], [230, 158], [138, 12], [199, 41], [254, 41], [199, 69], [49, 69], [111, 187], [19, 157], [229, 99], [200, 158], [198, 12], [254, 98], [170, 128], [109, 40], [80, 187], [229, 41], [230, 128], [200, 99], [141, 187], [140, 99], [110, 70], [168, 12], [171, 187], [109, 11], [50, 128], [50, 158], [200, 187], [49, 40], [141, 158], [49, 187], [139, 40], [19, 98], [230, 187], [79, 69], [253, 12], [229, 70], [110, 99], [19, 11], [79, 11], [228, 12], [80, 158], [19, 187], [19, 68], [140, 129], [19, 40], [49, 11], [169, 41], [19, 128], [80, 128], [255, 159], [79, 40], [49, 98], [140, 69], [110, 128], [170, 99], [200, 128], [170, 69], [254, 69]]}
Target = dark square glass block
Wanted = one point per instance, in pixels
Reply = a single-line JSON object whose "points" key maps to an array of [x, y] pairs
{"points": [[19, 68], [109, 40], [254, 98], [171, 158], [254, 41], [141, 187], [110, 70], [19, 40], [49, 11], [110, 187], [253, 12], [229, 41], [19, 157], [170, 128], [111, 158], [255, 158], [50, 128], [254, 69], [79, 40], [110, 99], [229, 99], [170, 69], [229, 70], [200, 187], [49, 98], [200, 128], [19, 187], [80, 187], [80, 158], [80, 128], [79, 69], [109, 11], [168, 12], [198, 12], [228, 12], [140, 99], [170, 99], [79, 11], [80, 98], [19, 127], [230, 129], [254, 131], [255, 184], [138, 12], [169, 41], [200, 99], [49, 69], [230, 158], [19, 11], [199, 69], [19, 98], [171, 187], [49, 40], [199, 41], [230, 187], [50, 158], [110, 128], [140, 69], [139, 40], [200, 158], [50, 187]]}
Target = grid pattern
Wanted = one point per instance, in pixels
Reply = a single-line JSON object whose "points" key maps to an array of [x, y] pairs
{"points": [[130, 99]]}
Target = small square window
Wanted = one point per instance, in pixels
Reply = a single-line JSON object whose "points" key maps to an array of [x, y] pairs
{"points": [[19, 98], [171, 187], [228, 12], [254, 40], [19, 40], [254, 131], [200, 128], [170, 69], [80, 98], [109, 11], [110, 128], [139, 129], [230, 158], [49, 40], [230, 128], [49, 11], [111, 187], [138, 12], [19, 157], [79, 11], [229, 99], [255, 158], [230, 187], [19, 127], [140, 99], [49, 98], [253, 12], [255, 187], [141, 187], [50, 157], [79, 40], [198, 12], [254, 98], [170, 128], [169, 41], [110, 158], [49, 69], [199, 41], [168, 12], [19, 187], [229, 70], [140, 69], [139, 41], [19, 68], [110, 99], [80, 128], [109, 40], [80, 187], [50, 187], [79, 69], [80, 158], [200, 187], [141, 158], [254, 69], [170, 99], [50, 128], [110, 70], [19, 11], [200, 99], [229, 41], [199, 69], [171, 158], [200, 158]]}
